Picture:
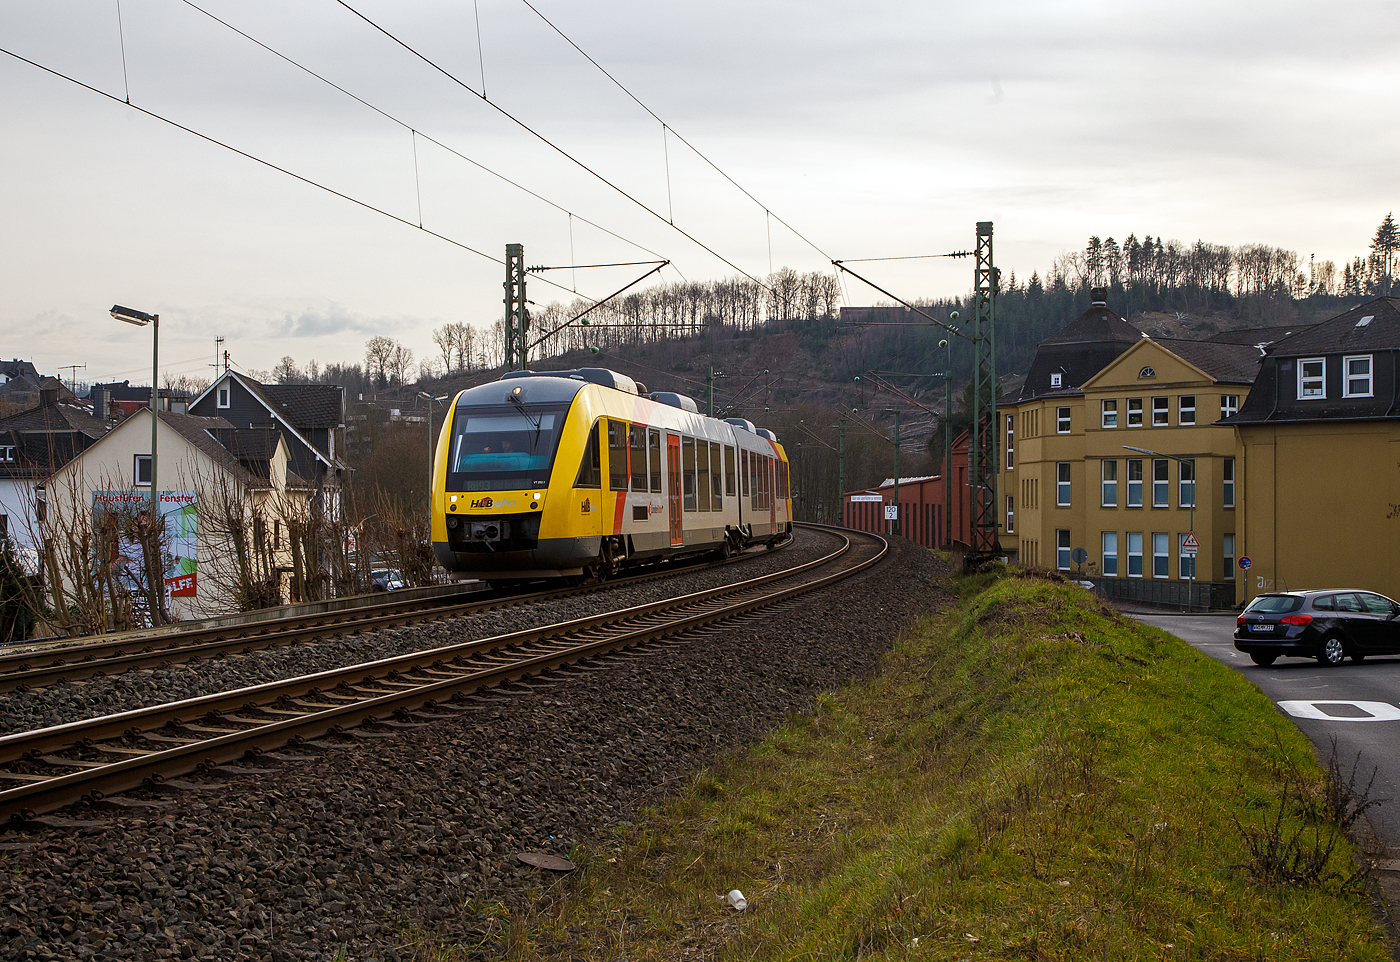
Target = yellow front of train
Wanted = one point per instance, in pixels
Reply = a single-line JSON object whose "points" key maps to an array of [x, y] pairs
{"points": [[503, 482]]}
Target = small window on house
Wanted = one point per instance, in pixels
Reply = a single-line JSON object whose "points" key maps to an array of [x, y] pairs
{"points": [[223, 396], [1110, 554], [1312, 378], [1358, 376], [1110, 484], [1109, 411], [1057, 380], [1229, 405], [1062, 420], [1161, 561], [1186, 491], [1062, 484], [1010, 442], [7, 453], [1229, 557], [1135, 483], [143, 470], [1134, 554], [1186, 409], [1185, 560], [1062, 550], [1147, 372], [1010, 515], [1134, 412], [1161, 411], [1160, 482], [1227, 471]]}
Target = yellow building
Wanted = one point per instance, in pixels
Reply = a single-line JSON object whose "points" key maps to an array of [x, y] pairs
{"points": [[1319, 461], [1069, 480]]}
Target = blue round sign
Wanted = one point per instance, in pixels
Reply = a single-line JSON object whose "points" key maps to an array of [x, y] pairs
{"points": [[1245, 563]]}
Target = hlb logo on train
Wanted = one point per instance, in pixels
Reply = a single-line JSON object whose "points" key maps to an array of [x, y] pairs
{"points": [[586, 507], [489, 502]]}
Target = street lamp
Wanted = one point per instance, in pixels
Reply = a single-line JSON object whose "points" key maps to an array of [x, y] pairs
{"points": [[430, 399], [1191, 582], [141, 319]]}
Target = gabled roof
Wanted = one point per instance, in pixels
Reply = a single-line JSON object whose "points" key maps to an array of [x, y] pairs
{"points": [[1349, 332], [1228, 363], [297, 407], [1083, 348], [1258, 336], [54, 419], [205, 434]]}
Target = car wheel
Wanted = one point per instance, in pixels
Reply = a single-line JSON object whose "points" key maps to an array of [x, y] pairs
{"points": [[1331, 653], [1263, 661]]}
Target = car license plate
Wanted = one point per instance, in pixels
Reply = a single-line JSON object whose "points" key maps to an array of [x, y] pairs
{"points": [[1262, 628]]}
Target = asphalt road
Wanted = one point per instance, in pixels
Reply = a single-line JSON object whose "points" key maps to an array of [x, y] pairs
{"points": [[1358, 705]]}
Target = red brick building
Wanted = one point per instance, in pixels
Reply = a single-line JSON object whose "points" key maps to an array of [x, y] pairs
{"points": [[923, 509]]}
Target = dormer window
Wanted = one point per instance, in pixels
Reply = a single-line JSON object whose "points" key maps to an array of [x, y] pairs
{"points": [[7, 453], [1147, 372], [1311, 378], [224, 396], [1057, 380]]}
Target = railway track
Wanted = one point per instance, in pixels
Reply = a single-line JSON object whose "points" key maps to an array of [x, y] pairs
{"points": [[49, 769], [112, 655]]}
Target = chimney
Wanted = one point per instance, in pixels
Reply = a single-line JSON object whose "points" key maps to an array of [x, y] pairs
{"points": [[98, 396], [48, 397], [1098, 296]]}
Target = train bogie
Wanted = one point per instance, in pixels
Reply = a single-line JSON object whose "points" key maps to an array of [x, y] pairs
{"points": [[579, 473]]}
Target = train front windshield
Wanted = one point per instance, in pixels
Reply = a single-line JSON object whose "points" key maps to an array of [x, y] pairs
{"points": [[503, 447]]}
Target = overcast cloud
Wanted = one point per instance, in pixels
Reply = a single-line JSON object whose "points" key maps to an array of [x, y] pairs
{"points": [[873, 130]]}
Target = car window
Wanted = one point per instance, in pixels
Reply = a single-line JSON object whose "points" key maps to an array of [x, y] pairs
{"points": [[1325, 603], [1348, 603], [1376, 604], [1275, 604]]}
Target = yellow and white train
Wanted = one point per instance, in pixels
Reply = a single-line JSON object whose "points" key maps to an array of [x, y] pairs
{"points": [[581, 473]]}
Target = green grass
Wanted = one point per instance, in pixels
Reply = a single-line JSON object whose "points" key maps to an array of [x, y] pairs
{"points": [[1030, 778]]}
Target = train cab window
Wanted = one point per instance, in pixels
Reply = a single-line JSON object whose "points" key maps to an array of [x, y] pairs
{"points": [[617, 455], [716, 477], [702, 482], [729, 470], [688, 473], [637, 451], [590, 472], [654, 451]]}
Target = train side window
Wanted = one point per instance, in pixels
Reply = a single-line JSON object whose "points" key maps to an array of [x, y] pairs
{"points": [[716, 477], [688, 473], [702, 480], [744, 473], [784, 484], [637, 451], [617, 455], [654, 448], [729, 470], [590, 472]]}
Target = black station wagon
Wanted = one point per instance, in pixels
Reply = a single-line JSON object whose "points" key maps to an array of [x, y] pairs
{"points": [[1328, 625]]}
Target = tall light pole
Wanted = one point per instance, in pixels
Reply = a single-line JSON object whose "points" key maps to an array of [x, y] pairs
{"points": [[430, 399], [948, 441], [1191, 585], [141, 319]]}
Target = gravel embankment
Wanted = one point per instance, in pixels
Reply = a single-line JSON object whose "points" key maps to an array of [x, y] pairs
{"points": [[349, 849], [90, 698]]}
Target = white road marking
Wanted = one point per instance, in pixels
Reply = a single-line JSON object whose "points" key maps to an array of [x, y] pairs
{"points": [[1375, 710]]}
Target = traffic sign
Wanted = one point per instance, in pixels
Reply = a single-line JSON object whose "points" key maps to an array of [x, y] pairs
{"points": [[891, 512], [1245, 563], [1190, 541]]}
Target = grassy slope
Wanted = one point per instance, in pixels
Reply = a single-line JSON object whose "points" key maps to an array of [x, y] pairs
{"points": [[1031, 778]]}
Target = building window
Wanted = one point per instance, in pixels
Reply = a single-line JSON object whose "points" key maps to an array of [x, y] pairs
{"points": [[1062, 551], [1147, 372], [1186, 563], [1134, 554], [1312, 378], [1010, 442], [1110, 554], [1010, 514], [1227, 470], [7, 453], [1134, 412], [1062, 420], [143, 470], [1161, 562], [1160, 482], [1161, 411], [1062, 484], [1358, 376], [1109, 412], [1057, 380], [1229, 405], [223, 396], [1186, 489], [1110, 484], [1135, 483], [1229, 557], [1186, 409]]}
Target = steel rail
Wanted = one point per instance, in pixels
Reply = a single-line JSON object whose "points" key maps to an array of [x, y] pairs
{"points": [[38, 669], [643, 624]]}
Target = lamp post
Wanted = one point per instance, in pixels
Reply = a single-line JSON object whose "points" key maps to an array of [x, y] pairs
{"points": [[141, 319], [430, 399], [1191, 582]]}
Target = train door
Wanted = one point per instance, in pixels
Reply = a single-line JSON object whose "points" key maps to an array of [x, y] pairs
{"points": [[673, 486]]}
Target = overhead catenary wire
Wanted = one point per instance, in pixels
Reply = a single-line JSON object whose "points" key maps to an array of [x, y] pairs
{"points": [[555, 147]]}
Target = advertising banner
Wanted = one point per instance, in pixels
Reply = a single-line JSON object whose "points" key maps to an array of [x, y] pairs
{"points": [[178, 512]]}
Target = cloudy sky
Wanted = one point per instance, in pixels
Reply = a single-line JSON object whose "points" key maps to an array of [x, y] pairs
{"points": [[871, 129]]}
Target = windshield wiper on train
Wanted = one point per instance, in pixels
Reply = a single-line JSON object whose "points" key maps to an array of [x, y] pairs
{"points": [[535, 421]]}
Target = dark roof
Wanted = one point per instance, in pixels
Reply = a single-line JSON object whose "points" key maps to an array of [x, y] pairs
{"points": [[39, 455], [122, 391], [1083, 348], [206, 434], [1231, 363], [306, 406], [1341, 333], [55, 418], [1257, 336]]}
